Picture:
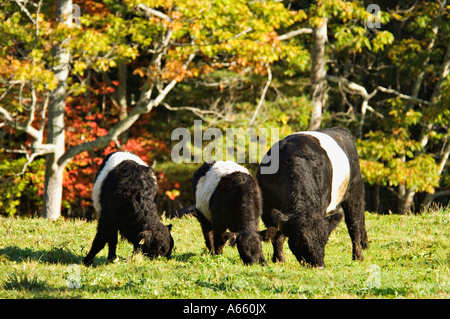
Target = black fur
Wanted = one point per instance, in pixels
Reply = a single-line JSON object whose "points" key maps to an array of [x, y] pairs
{"points": [[235, 205], [128, 204], [296, 198]]}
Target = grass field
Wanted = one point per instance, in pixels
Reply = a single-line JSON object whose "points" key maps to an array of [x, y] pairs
{"points": [[408, 257]]}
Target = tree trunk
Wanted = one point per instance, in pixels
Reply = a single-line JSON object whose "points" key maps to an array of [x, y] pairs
{"points": [[406, 200], [53, 185], [318, 74], [122, 97]]}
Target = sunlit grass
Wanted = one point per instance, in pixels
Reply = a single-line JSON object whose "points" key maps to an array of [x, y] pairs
{"points": [[408, 257]]}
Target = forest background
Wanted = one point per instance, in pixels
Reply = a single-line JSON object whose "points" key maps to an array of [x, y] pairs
{"points": [[80, 80]]}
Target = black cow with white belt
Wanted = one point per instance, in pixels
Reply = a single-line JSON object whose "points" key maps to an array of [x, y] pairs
{"points": [[228, 197], [318, 171]]}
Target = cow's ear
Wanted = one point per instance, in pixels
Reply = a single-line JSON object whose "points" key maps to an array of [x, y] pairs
{"points": [[278, 218], [268, 234], [143, 235], [230, 237], [333, 221]]}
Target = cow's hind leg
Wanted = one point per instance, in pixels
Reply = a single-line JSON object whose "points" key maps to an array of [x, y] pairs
{"points": [[206, 230], [112, 244], [353, 206]]}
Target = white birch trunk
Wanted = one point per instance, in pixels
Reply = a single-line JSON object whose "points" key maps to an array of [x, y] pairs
{"points": [[53, 185], [318, 74]]}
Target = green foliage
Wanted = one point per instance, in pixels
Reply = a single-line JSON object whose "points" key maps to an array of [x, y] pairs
{"points": [[42, 259], [235, 43], [21, 189], [391, 161]]}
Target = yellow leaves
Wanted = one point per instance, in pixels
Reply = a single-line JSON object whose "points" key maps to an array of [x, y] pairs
{"points": [[396, 16], [283, 118], [105, 64], [8, 66], [419, 173], [176, 15], [176, 25], [271, 38], [174, 70], [298, 15], [373, 172], [392, 160], [79, 66], [140, 72], [41, 18], [195, 72], [318, 22], [26, 71]]}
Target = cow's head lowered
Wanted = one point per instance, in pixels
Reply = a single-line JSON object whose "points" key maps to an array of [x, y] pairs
{"points": [[307, 233], [156, 241]]}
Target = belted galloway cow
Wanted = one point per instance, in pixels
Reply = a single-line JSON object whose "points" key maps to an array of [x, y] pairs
{"points": [[318, 171], [228, 197]]}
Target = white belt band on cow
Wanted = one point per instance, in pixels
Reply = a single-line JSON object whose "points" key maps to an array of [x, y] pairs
{"points": [[340, 166]]}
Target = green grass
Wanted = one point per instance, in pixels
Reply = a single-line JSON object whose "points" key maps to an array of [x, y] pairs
{"points": [[408, 257]]}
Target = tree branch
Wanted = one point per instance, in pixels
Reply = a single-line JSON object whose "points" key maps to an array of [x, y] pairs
{"points": [[152, 12], [360, 90], [294, 33], [27, 128], [263, 94], [24, 9], [144, 105], [197, 111], [403, 96]]}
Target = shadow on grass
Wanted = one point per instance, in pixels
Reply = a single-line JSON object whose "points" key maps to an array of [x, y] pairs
{"points": [[183, 257], [53, 256], [385, 292]]}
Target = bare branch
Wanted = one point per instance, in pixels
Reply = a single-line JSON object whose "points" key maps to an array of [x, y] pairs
{"points": [[143, 106], [263, 94], [360, 90], [349, 85], [152, 12], [24, 9], [294, 33], [354, 88], [28, 156], [197, 111], [36, 24], [403, 96], [30, 159], [37, 147], [249, 29], [14, 124]]}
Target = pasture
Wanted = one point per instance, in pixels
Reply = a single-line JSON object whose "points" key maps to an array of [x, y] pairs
{"points": [[408, 257]]}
